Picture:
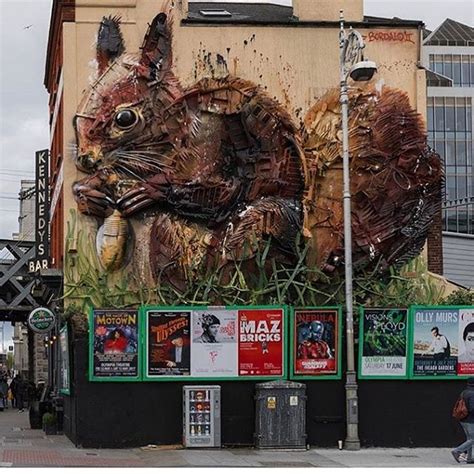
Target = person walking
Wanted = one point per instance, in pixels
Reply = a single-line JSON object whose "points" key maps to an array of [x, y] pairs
{"points": [[20, 393], [467, 425], [4, 390], [13, 385]]}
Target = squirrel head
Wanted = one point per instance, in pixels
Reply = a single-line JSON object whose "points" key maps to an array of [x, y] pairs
{"points": [[129, 95]]}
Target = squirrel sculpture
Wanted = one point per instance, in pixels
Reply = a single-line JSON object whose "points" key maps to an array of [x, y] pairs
{"points": [[220, 167]]}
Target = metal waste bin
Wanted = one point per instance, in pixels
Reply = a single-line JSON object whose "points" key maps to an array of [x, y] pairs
{"points": [[280, 415]]}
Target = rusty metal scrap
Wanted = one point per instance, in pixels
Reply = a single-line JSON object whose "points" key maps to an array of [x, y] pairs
{"points": [[110, 44], [395, 179], [221, 167]]}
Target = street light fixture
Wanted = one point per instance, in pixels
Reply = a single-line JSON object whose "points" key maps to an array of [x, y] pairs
{"points": [[352, 64]]}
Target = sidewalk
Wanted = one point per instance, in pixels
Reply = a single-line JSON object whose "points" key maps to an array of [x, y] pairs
{"points": [[22, 447]]}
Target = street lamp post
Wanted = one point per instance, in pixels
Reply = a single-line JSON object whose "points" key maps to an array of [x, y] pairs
{"points": [[352, 64]]}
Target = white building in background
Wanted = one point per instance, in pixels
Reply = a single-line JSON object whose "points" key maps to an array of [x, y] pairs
{"points": [[26, 219], [448, 54], [20, 349]]}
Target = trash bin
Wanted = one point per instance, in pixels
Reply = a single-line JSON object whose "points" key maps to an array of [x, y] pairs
{"points": [[280, 415]]}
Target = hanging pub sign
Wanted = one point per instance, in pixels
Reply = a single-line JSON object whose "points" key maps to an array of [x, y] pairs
{"points": [[443, 341], [41, 260], [41, 320], [214, 342], [316, 343], [383, 343], [64, 374], [114, 345]]}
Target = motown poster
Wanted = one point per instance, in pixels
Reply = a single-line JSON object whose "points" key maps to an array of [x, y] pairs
{"points": [[168, 342], [115, 343], [261, 342], [466, 342], [435, 339], [315, 345], [384, 342], [64, 360], [214, 343]]}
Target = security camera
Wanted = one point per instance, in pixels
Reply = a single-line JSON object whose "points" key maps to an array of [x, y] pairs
{"points": [[363, 71]]}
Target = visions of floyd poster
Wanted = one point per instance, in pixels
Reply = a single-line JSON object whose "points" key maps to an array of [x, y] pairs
{"points": [[115, 343], [315, 342], [384, 342]]}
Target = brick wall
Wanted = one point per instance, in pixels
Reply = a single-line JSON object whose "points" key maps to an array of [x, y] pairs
{"points": [[435, 245]]}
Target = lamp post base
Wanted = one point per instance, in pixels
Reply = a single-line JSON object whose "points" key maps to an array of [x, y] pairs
{"points": [[351, 444]]}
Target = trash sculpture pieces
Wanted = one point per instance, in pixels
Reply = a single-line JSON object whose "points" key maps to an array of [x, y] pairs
{"points": [[216, 169]]}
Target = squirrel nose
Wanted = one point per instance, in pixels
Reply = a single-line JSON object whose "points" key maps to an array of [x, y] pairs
{"points": [[88, 161]]}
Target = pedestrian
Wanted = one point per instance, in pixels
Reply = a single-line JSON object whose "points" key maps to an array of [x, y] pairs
{"points": [[467, 424], [4, 391], [13, 385], [19, 393]]}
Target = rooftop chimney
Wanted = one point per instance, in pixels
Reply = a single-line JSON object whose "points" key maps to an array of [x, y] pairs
{"points": [[328, 10]]}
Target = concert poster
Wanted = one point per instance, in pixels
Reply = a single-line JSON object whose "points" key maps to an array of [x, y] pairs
{"points": [[384, 342], [261, 345], [435, 341]]}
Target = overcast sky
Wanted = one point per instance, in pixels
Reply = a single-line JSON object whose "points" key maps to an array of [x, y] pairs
{"points": [[23, 103]]}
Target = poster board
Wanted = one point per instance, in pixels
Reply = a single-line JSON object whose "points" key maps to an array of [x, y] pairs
{"points": [[64, 362], [442, 342], [383, 343], [114, 346], [316, 340], [214, 343]]}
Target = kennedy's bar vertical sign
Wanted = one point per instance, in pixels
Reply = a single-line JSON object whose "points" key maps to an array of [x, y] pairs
{"points": [[42, 212]]}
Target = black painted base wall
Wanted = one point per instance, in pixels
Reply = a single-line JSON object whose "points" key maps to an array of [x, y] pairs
{"points": [[392, 413]]}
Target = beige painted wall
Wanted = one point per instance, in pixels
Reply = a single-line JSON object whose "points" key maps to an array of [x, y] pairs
{"points": [[328, 10]]}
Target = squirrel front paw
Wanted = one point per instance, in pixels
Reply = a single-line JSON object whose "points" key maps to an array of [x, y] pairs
{"points": [[91, 201]]}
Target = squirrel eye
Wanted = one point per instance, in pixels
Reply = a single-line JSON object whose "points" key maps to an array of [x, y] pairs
{"points": [[126, 118]]}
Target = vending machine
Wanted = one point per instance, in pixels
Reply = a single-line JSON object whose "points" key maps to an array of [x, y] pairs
{"points": [[202, 416]]}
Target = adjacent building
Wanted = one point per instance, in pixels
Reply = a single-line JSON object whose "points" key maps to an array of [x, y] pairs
{"points": [[28, 348], [448, 55]]}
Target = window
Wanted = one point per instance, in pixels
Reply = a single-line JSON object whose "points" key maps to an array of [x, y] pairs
{"points": [[458, 67], [457, 70], [465, 79], [450, 134], [449, 112]]}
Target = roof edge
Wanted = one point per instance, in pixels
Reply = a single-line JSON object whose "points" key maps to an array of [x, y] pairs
{"points": [[59, 11], [296, 23]]}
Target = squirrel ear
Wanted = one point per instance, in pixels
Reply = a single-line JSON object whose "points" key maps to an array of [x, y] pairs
{"points": [[110, 44], [156, 48]]}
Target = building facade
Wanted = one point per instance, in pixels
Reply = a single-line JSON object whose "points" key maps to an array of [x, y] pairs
{"points": [[448, 54], [292, 53]]}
